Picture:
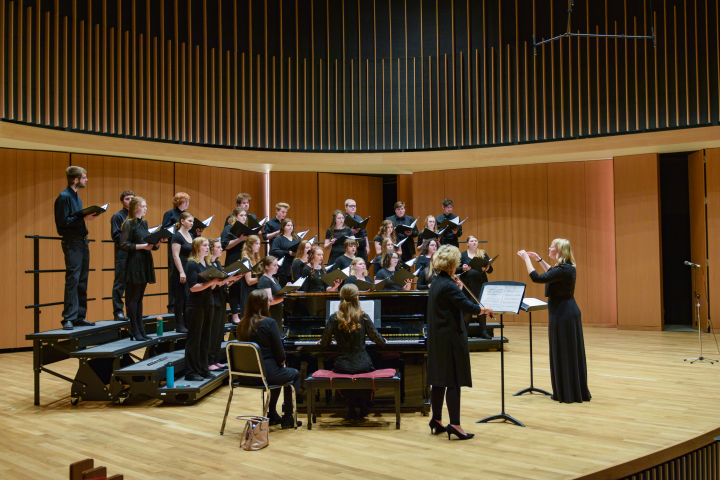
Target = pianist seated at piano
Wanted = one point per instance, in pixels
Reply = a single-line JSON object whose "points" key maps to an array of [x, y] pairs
{"points": [[350, 325], [358, 271], [390, 261], [425, 277], [387, 246], [344, 260], [257, 327], [314, 271]]}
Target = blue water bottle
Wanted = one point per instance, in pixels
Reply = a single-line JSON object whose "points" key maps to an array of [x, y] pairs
{"points": [[170, 375]]}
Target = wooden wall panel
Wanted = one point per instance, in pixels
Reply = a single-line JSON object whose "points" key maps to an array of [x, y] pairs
{"points": [[428, 193], [600, 268], [9, 243], [367, 191], [405, 190], [696, 179], [461, 187], [712, 172], [254, 183], [300, 191], [529, 226], [566, 219], [637, 242], [494, 207]]}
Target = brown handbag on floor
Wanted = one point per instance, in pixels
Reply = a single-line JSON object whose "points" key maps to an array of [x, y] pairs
{"points": [[256, 434]]}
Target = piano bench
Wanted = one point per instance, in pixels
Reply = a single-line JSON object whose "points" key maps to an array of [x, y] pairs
{"points": [[326, 379]]}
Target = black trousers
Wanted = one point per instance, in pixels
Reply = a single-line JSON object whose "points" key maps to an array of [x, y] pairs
{"points": [[77, 269], [277, 376], [179, 297], [172, 275], [118, 283], [234, 295], [217, 334], [134, 293], [199, 319], [452, 395]]}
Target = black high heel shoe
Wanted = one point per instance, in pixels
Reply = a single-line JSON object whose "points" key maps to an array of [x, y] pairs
{"points": [[436, 428], [452, 431], [143, 336]]}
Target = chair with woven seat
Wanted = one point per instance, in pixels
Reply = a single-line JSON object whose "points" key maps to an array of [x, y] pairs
{"points": [[247, 370]]}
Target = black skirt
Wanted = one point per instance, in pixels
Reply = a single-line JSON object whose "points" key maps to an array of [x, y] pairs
{"points": [[568, 368]]}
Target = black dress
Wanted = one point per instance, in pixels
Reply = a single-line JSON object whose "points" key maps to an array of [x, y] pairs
{"points": [[448, 237], [385, 274], [313, 282], [474, 280], [181, 291], [352, 357], [353, 280], [245, 289], [217, 330], [421, 262], [343, 261], [199, 318], [276, 311], [139, 266], [568, 368], [448, 360], [337, 248], [280, 249], [424, 281], [296, 269], [232, 255]]}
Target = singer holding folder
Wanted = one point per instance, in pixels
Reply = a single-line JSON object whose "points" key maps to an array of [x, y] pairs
{"points": [[336, 231], [448, 360], [475, 279], [281, 248], [568, 368], [233, 247]]}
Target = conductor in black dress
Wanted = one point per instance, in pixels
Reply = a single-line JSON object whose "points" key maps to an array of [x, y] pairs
{"points": [[568, 368], [116, 222], [74, 244], [448, 362]]}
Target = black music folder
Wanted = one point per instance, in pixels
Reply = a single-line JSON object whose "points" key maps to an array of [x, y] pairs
{"points": [[240, 266], [402, 227], [341, 239], [454, 223], [252, 223], [397, 245], [401, 275], [293, 287], [302, 234], [428, 234], [97, 210], [479, 262], [239, 229], [329, 278], [370, 287], [200, 224], [212, 273], [158, 233], [352, 223]]}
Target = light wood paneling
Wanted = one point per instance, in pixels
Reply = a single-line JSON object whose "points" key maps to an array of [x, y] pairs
{"points": [[334, 189], [300, 191], [461, 188], [566, 219], [428, 193], [600, 269], [712, 172], [405, 190], [698, 251], [9, 243], [637, 242], [529, 226], [494, 207]]}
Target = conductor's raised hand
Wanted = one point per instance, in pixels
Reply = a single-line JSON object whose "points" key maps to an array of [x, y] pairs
{"points": [[523, 254], [534, 256]]}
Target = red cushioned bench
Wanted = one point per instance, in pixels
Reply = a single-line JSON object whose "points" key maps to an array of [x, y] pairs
{"points": [[327, 379]]}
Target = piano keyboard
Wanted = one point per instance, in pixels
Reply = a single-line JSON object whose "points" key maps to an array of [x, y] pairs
{"points": [[412, 341]]}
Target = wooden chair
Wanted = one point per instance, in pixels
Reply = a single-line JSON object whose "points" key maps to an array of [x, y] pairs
{"points": [[86, 470]]}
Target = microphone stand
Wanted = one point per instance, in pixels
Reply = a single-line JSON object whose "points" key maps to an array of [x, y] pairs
{"points": [[696, 298]]}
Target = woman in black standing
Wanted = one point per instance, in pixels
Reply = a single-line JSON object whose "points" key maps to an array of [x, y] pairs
{"points": [[386, 230], [140, 269], [336, 230], [199, 312], [314, 271], [257, 327], [448, 361], [271, 286], [344, 260], [281, 249], [252, 258], [390, 261], [233, 247], [217, 329], [350, 325], [180, 247], [301, 258], [358, 271], [475, 279], [425, 276], [568, 367], [426, 253]]}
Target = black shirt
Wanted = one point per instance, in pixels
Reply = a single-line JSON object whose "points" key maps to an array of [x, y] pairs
{"points": [[280, 249], [203, 297], [352, 357], [170, 218], [218, 293], [296, 269], [343, 261], [67, 224], [473, 279], [424, 281], [559, 280], [353, 280], [267, 336], [271, 226], [231, 254], [227, 220], [408, 248], [337, 248], [312, 279], [276, 311], [185, 248], [361, 236], [385, 274], [448, 237], [116, 222]]}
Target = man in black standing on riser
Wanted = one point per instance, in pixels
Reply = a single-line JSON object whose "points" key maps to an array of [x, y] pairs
{"points": [[120, 255]]}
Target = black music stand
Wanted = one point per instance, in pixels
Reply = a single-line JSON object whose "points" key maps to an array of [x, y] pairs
{"points": [[534, 306], [502, 297]]}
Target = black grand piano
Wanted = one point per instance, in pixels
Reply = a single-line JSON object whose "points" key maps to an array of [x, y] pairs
{"points": [[400, 316]]}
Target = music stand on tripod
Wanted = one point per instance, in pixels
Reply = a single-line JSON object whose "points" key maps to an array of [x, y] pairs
{"points": [[696, 298], [532, 305], [502, 297]]}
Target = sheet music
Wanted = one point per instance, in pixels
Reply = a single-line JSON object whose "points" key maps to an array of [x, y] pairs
{"points": [[154, 229], [367, 306], [533, 302], [502, 298], [301, 235]]}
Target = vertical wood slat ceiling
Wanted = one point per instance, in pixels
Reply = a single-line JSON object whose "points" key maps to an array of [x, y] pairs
{"points": [[376, 75]]}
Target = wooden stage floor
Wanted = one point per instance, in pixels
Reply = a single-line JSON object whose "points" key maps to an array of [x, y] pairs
{"points": [[645, 398]]}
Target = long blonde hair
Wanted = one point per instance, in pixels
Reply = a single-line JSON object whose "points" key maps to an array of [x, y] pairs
{"points": [[196, 244], [211, 244], [383, 230], [479, 250], [565, 253], [435, 229], [131, 209], [233, 218], [349, 314], [247, 251], [352, 267]]}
